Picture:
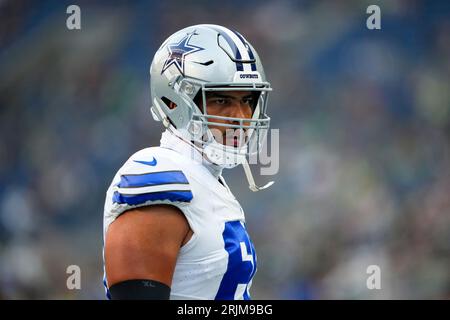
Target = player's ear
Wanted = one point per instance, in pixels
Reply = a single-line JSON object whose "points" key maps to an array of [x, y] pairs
{"points": [[172, 105]]}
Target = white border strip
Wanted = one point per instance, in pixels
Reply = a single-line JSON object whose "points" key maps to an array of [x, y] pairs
{"points": [[158, 188]]}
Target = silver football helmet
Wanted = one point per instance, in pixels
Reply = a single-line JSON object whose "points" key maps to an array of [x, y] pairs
{"points": [[200, 59]]}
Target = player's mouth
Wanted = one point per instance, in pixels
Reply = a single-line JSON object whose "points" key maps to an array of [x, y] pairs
{"points": [[234, 138], [235, 142]]}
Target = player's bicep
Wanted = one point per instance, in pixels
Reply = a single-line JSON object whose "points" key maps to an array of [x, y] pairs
{"points": [[143, 243]]}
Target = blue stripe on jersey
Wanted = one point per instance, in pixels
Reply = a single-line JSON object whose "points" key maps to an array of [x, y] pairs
{"points": [[135, 199], [152, 179]]}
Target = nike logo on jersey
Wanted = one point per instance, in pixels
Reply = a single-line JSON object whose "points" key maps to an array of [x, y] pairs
{"points": [[149, 163]]}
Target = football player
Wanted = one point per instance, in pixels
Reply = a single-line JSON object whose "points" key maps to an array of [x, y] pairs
{"points": [[172, 227]]}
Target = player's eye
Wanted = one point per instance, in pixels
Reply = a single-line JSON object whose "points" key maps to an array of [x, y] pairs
{"points": [[248, 101], [220, 101], [251, 102]]}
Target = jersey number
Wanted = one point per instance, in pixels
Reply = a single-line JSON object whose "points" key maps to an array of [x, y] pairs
{"points": [[241, 263]]}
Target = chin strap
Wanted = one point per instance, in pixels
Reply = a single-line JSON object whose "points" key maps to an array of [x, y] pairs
{"points": [[251, 181]]}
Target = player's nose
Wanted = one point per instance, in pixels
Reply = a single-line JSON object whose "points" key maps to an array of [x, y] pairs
{"points": [[242, 111]]}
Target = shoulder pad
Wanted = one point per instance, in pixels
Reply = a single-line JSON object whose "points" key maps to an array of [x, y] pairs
{"points": [[151, 176]]}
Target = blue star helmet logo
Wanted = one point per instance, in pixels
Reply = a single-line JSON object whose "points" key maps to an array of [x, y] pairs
{"points": [[178, 51]]}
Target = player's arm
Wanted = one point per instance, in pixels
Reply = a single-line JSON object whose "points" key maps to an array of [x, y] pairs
{"points": [[141, 249]]}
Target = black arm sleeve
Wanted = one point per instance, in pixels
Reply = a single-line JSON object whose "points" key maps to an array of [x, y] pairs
{"points": [[139, 289]]}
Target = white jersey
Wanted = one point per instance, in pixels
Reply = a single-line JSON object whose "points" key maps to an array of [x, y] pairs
{"points": [[219, 261]]}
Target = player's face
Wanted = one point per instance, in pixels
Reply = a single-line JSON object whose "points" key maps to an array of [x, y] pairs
{"points": [[236, 104]]}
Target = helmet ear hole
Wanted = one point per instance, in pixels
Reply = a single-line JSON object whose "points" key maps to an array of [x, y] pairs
{"points": [[170, 104]]}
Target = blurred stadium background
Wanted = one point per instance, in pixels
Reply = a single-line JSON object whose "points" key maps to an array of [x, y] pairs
{"points": [[364, 119]]}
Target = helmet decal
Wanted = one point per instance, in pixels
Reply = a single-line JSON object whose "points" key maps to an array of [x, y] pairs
{"points": [[250, 52], [178, 51], [240, 48]]}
